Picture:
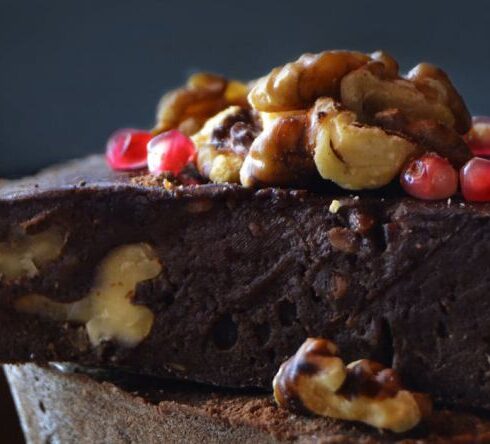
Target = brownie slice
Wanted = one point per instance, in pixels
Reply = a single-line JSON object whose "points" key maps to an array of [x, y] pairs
{"points": [[68, 407], [245, 276]]}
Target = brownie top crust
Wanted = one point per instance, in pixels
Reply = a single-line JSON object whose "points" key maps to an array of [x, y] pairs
{"points": [[92, 174]]}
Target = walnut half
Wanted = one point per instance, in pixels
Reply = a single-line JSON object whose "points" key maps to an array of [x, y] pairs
{"points": [[223, 143], [317, 380], [107, 311], [426, 93], [354, 155], [23, 254], [204, 95], [298, 84], [278, 156]]}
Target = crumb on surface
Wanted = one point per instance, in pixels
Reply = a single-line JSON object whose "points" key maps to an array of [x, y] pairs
{"points": [[149, 180], [334, 206]]}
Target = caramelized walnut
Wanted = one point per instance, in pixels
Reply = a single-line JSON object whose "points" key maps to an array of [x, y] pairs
{"points": [[278, 156], [351, 154], [223, 143], [350, 115], [204, 95], [429, 134], [315, 379], [314, 355], [427, 93], [298, 84], [436, 85], [390, 65]]}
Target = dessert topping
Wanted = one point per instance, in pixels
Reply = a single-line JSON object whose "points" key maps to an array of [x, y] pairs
{"points": [[278, 156], [430, 177], [367, 120], [431, 135], [354, 115], [224, 141], [316, 379], [343, 116], [126, 149], [475, 180], [298, 84], [436, 85], [426, 93], [478, 137], [204, 95], [351, 154], [170, 152]]}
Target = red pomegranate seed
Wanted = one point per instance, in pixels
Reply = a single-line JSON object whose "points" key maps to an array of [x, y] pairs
{"points": [[430, 177], [475, 180], [170, 152], [126, 149], [478, 138]]}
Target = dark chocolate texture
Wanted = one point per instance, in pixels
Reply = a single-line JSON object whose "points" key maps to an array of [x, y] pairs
{"points": [[250, 274]]}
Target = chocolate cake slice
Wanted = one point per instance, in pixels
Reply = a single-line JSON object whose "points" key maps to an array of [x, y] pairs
{"points": [[68, 407], [220, 284]]}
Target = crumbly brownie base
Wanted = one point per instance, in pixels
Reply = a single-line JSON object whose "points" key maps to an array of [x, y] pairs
{"points": [[57, 406]]}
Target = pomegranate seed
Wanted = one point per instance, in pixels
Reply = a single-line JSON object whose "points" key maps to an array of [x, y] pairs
{"points": [[126, 149], [430, 177], [170, 152], [478, 138], [475, 180]]}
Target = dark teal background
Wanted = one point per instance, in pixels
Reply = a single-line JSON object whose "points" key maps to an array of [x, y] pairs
{"points": [[72, 71]]}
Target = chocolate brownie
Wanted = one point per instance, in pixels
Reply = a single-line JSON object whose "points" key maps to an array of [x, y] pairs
{"points": [[244, 276], [69, 407]]}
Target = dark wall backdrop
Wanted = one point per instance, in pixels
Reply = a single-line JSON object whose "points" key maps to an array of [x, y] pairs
{"points": [[71, 71]]}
